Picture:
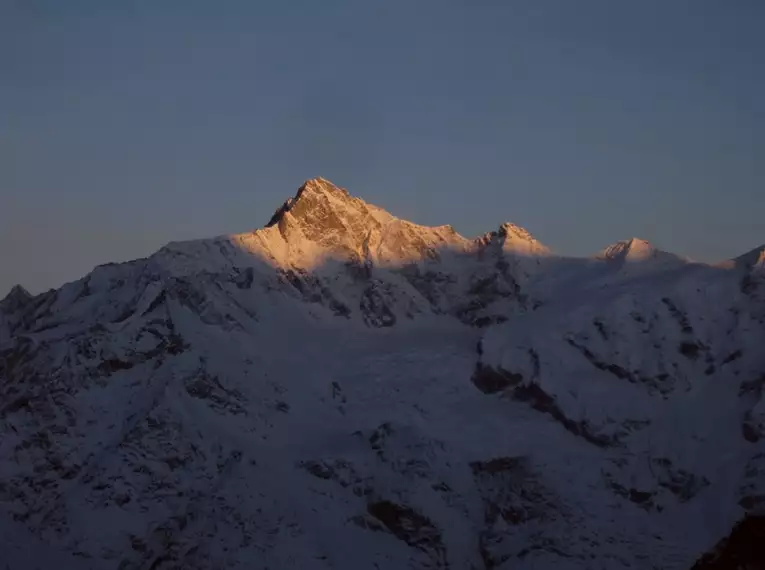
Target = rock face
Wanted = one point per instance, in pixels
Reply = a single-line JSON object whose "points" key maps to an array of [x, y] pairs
{"points": [[744, 548], [300, 396], [11, 309]]}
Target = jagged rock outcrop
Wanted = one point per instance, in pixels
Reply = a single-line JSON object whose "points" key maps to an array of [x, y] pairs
{"points": [[743, 549]]}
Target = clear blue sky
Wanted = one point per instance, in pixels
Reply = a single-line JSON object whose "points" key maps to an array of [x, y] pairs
{"points": [[125, 125]]}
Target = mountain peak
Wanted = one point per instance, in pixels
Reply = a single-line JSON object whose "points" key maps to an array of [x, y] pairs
{"points": [[519, 240], [324, 217], [753, 260], [322, 185], [633, 249], [636, 250], [17, 291], [15, 298], [311, 189], [509, 230]]}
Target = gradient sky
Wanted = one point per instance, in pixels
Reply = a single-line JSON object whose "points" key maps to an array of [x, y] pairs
{"points": [[125, 125]]}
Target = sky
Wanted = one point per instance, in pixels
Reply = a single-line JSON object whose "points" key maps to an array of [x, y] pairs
{"points": [[126, 125]]}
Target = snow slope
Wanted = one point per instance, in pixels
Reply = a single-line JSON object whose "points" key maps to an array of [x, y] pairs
{"points": [[345, 389]]}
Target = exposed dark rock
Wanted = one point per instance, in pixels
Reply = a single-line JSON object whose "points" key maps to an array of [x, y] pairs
{"points": [[637, 317], [678, 315], [681, 484], [541, 401], [156, 303], [735, 355], [359, 270], [513, 495], [499, 465], [112, 365], [482, 322], [490, 380], [689, 350], [661, 383], [313, 290], [368, 523], [204, 386], [644, 499], [378, 437], [187, 295], [601, 328], [374, 308], [126, 313], [432, 285], [340, 472], [749, 429], [752, 489], [319, 469], [753, 387], [743, 549], [417, 530], [244, 279], [535, 363]]}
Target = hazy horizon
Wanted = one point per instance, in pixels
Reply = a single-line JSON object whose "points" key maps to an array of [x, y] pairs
{"points": [[130, 126]]}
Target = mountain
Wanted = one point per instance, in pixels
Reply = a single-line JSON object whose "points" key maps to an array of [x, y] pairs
{"points": [[360, 262], [15, 299], [635, 250], [346, 389], [752, 261], [11, 308], [634, 257]]}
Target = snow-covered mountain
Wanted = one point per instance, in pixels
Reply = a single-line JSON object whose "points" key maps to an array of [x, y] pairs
{"points": [[346, 389], [635, 256]]}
